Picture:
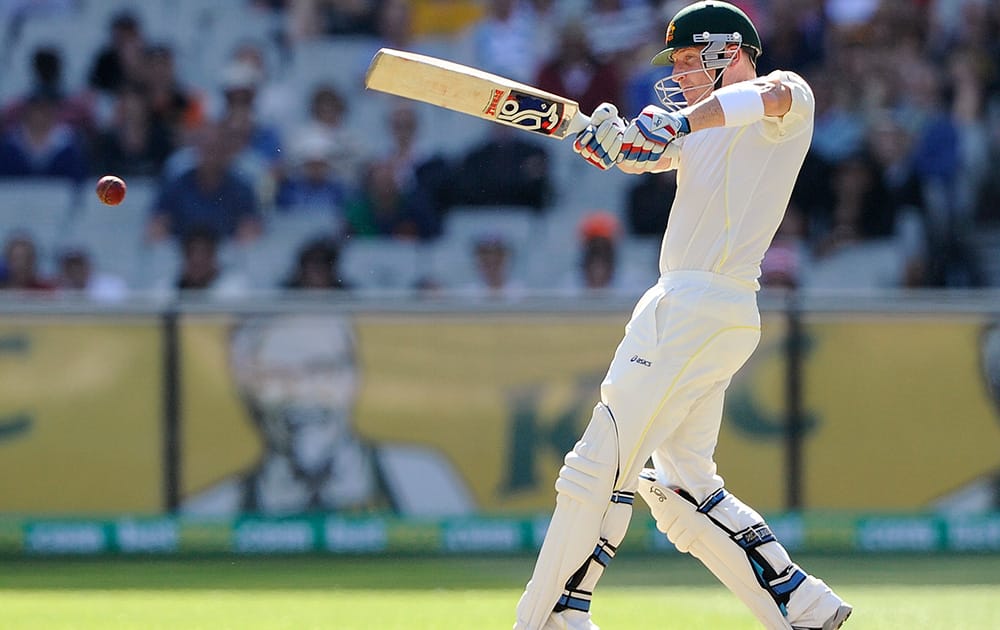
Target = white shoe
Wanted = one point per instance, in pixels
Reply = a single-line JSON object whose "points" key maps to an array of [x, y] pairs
{"points": [[835, 621], [814, 606], [569, 620]]}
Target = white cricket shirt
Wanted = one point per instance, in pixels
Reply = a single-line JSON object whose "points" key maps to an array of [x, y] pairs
{"points": [[733, 186]]}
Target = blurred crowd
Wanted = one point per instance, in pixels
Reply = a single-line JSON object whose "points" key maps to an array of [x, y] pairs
{"points": [[900, 188]]}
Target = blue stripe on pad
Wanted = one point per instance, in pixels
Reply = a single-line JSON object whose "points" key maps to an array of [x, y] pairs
{"points": [[712, 500], [790, 585]]}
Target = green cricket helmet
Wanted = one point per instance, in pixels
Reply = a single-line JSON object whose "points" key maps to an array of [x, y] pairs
{"points": [[711, 24]]}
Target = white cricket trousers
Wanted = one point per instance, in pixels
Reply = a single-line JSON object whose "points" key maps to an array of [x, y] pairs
{"points": [[665, 387]]}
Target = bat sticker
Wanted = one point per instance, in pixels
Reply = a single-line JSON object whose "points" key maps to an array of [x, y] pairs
{"points": [[491, 109], [531, 113]]}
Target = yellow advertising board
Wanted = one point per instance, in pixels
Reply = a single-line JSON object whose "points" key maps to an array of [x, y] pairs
{"points": [[897, 414], [81, 427], [450, 395], [491, 401], [217, 437], [429, 414], [906, 416]]}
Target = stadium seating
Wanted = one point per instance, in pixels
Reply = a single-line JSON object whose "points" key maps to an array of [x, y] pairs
{"points": [[451, 258], [113, 235], [545, 245], [268, 261], [383, 264], [40, 208]]}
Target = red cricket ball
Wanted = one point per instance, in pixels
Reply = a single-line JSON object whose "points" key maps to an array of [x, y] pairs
{"points": [[111, 190]]}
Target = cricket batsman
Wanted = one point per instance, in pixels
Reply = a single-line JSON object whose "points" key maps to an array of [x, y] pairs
{"points": [[737, 142]]}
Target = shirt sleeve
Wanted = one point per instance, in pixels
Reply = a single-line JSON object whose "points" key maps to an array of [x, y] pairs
{"points": [[799, 118]]}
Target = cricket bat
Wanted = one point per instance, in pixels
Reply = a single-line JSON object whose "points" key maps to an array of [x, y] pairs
{"points": [[474, 92]]}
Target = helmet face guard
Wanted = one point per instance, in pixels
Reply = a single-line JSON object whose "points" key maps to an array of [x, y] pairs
{"points": [[714, 56]]}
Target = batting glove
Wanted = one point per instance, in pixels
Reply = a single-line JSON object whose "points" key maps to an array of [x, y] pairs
{"points": [[649, 134], [600, 143]]}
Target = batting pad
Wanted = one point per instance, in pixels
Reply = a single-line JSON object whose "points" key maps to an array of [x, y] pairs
{"points": [[576, 595], [694, 532], [583, 491]]}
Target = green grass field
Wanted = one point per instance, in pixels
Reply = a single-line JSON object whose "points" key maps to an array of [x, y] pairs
{"points": [[641, 593]]}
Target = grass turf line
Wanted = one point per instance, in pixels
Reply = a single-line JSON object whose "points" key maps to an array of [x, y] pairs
{"points": [[665, 592]]}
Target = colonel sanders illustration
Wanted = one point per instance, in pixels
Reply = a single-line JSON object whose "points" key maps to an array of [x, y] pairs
{"points": [[299, 379]]}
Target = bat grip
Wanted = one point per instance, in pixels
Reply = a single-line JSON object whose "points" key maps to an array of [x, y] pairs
{"points": [[578, 123]]}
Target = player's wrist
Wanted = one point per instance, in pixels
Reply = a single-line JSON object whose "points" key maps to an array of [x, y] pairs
{"points": [[683, 124]]}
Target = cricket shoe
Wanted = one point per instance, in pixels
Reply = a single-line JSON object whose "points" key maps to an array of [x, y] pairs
{"points": [[814, 606], [569, 620], [835, 621]]}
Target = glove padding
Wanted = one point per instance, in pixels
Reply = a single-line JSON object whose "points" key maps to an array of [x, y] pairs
{"points": [[649, 134], [600, 143]]}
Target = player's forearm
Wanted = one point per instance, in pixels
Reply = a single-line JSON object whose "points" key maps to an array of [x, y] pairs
{"points": [[705, 115]]}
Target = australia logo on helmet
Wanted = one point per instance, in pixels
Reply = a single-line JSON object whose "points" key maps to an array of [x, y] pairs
{"points": [[670, 31]]}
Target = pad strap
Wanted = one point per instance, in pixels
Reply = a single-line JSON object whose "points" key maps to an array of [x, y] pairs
{"points": [[576, 598], [778, 585], [621, 496]]}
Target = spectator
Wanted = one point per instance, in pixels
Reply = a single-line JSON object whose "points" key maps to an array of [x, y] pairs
{"points": [[75, 110], [175, 110], [317, 267], [860, 248], [506, 41], [76, 273], [383, 208], [969, 71], [891, 148], [420, 171], [639, 79], [276, 99], [812, 194], [132, 145], [122, 59], [615, 27], [506, 170], [578, 73], [257, 146], [327, 117], [394, 25], [315, 18], [931, 114], [796, 38], [839, 127], [649, 201], [311, 183], [20, 262], [40, 145], [859, 209], [200, 268], [18, 11], [601, 269], [598, 271], [209, 196], [493, 259]]}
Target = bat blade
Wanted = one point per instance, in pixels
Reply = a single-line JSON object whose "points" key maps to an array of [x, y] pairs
{"points": [[475, 92]]}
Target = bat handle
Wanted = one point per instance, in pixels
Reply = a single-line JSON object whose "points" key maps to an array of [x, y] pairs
{"points": [[578, 123]]}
